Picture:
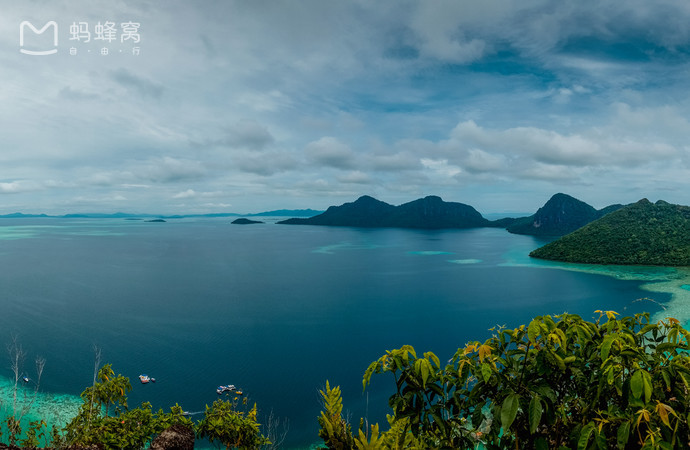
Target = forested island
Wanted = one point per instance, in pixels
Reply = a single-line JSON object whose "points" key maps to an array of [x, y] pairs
{"points": [[245, 221], [643, 233], [561, 215], [427, 213]]}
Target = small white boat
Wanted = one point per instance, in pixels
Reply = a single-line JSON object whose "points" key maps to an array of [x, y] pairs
{"points": [[225, 388], [145, 379]]}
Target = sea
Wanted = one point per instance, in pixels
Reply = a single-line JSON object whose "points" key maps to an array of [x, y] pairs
{"points": [[277, 310]]}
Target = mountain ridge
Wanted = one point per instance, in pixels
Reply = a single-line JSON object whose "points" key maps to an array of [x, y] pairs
{"points": [[430, 212], [560, 215], [643, 233]]}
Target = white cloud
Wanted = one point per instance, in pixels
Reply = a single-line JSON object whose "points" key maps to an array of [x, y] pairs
{"points": [[588, 148], [330, 152], [168, 170], [14, 187], [441, 167], [478, 161], [248, 134], [288, 103], [189, 193], [355, 177], [265, 164], [264, 102]]}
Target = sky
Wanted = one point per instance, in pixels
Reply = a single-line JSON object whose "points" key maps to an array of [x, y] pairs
{"points": [[249, 106]]}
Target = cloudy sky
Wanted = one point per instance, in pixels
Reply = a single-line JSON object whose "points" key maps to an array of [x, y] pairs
{"points": [[247, 106]]}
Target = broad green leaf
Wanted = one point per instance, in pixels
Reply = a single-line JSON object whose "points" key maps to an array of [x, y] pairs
{"points": [[533, 330], [547, 392], [369, 372], [647, 328], [509, 410], [535, 410], [557, 359], [666, 347], [647, 382], [585, 434], [636, 384], [486, 372], [610, 376], [425, 371], [433, 358], [600, 439], [623, 434], [606, 346], [667, 379]]}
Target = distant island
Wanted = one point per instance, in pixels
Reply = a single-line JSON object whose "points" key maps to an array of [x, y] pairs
{"points": [[643, 233], [286, 213], [561, 215], [427, 213], [244, 221], [133, 216]]}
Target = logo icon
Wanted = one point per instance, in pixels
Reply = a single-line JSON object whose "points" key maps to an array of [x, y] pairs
{"points": [[25, 24]]}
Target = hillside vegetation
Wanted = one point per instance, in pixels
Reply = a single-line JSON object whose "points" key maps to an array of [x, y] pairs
{"points": [[643, 233], [426, 213], [561, 215], [558, 382]]}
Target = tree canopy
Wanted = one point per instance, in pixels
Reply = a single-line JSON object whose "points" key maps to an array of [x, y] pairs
{"points": [[643, 233], [557, 383]]}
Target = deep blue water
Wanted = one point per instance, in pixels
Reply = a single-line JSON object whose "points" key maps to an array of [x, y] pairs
{"points": [[274, 309]]}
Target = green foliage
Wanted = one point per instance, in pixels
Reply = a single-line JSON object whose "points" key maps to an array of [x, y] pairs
{"points": [[34, 434], [134, 429], [423, 393], [174, 417], [335, 431], [124, 429], [234, 429], [560, 382], [110, 390], [93, 424], [14, 429], [644, 233]]}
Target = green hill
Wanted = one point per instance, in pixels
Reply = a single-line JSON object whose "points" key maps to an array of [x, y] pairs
{"points": [[426, 213], [643, 233], [561, 215]]}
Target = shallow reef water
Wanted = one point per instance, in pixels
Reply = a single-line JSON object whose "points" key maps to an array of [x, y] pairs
{"points": [[26, 401], [659, 279]]}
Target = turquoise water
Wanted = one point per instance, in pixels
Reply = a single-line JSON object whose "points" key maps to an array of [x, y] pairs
{"points": [[278, 310]]}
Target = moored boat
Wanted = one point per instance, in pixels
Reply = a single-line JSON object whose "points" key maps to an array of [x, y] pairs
{"points": [[222, 389]]}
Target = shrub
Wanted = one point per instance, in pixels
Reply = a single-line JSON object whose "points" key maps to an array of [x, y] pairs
{"points": [[560, 382]]}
